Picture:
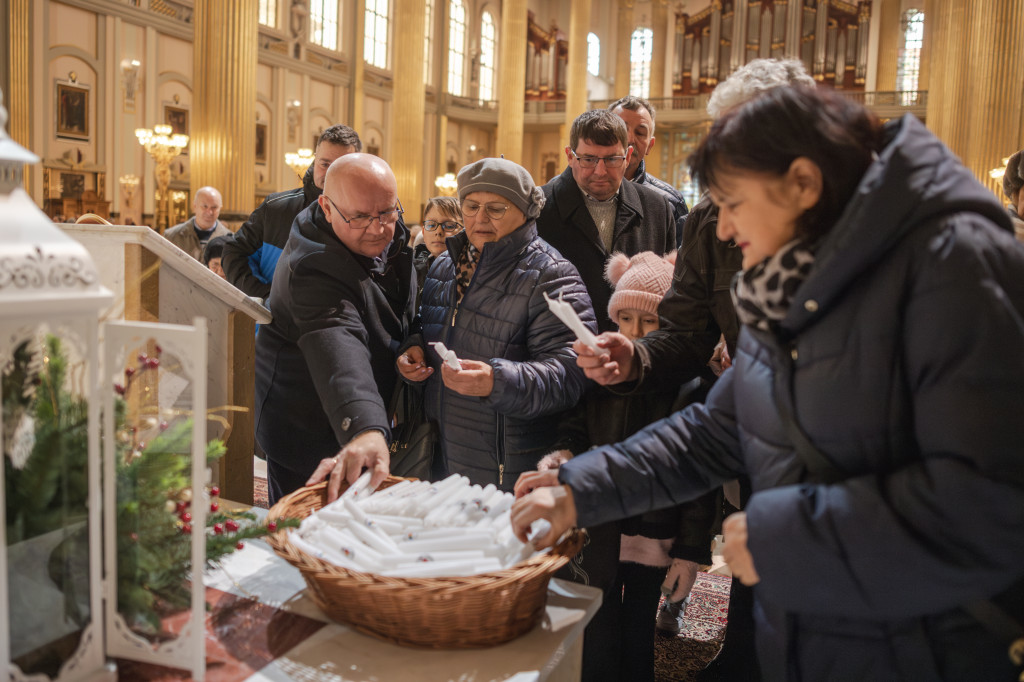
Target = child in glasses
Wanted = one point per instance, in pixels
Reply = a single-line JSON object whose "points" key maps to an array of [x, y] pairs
{"points": [[442, 219], [637, 560]]}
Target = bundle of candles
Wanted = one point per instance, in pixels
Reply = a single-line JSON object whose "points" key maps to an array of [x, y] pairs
{"points": [[416, 529]]}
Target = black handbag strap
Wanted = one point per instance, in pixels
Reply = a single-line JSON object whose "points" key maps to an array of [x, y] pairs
{"points": [[817, 463]]}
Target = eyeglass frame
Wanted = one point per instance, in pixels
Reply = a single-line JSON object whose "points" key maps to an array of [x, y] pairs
{"points": [[487, 209], [441, 225], [399, 212], [586, 159]]}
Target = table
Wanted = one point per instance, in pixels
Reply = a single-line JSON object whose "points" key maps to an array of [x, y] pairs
{"points": [[336, 653]]}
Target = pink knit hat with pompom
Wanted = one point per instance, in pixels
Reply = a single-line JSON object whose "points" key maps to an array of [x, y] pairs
{"points": [[640, 282]]}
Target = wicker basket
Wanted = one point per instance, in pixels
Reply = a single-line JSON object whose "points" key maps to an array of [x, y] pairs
{"points": [[441, 613]]}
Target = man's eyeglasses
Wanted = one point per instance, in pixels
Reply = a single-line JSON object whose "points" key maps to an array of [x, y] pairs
{"points": [[591, 161], [449, 226], [362, 222], [494, 211]]}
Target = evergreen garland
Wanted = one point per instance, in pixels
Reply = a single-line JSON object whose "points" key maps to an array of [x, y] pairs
{"points": [[47, 489]]}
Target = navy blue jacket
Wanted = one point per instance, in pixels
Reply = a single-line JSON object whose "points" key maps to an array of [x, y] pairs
{"points": [[504, 320], [902, 357], [325, 365], [250, 256]]}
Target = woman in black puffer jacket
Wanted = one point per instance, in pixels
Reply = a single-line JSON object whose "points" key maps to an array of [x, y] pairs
{"points": [[874, 401], [484, 300]]}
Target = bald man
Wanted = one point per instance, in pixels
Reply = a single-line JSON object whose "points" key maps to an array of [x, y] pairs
{"points": [[194, 234], [343, 299]]}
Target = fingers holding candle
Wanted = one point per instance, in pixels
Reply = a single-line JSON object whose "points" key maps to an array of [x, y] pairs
{"points": [[553, 503]]}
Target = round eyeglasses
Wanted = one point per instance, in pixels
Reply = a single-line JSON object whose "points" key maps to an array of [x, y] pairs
{"points": [[448, 226], [362, 222], [494, 211]]}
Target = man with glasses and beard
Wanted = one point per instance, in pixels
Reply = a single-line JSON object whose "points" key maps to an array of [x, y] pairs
{"points": [[343, 301], [591, 213]]}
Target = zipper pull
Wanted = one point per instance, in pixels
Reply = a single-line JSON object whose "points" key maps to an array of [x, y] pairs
{"points": [[501, 473], [455, 312]]}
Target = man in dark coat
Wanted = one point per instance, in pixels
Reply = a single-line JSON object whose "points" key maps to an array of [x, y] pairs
{"points": [[590, 212], [342, 301], [638, 115], [251, 255]]}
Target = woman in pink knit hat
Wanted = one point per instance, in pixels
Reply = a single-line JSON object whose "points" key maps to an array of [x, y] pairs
{"points": [[636, 560]]}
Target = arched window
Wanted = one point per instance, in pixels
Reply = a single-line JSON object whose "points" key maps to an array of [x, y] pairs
{"points": [[268, 13], [488, 56], [323, 23], [593, 54], [457, 48], [640, 51], [909, 69], [375, 40], [428, 54]]}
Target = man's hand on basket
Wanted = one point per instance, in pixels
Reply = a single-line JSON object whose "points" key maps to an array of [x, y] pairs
{"points": [[368, 450], [553, 503]]}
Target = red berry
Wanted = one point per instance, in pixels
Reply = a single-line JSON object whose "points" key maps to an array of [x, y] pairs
{"points": [[143, 357], [163, 425], [272, 526], [214, 506], [181, 506], [186, 529], [231, 525], [153, 363], [128, 372], [239, 546], [215, 491], [186, 517], [119, 389], [218, 528], [158, 349]]}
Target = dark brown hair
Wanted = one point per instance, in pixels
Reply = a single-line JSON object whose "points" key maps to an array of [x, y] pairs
{"points": [[600, 127], [341, 135], [768, 133]]}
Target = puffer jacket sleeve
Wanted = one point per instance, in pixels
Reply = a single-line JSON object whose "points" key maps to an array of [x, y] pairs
{"points": [[948, 527], [550, 381], [669, 462], [246, 241], [334, 342]]}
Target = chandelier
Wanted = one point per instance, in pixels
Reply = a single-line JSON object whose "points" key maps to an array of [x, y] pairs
{"points": [[163, 145], [299, 160]]}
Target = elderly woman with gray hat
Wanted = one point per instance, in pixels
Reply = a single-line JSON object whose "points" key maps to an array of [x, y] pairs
{"points": [[483, 299]]}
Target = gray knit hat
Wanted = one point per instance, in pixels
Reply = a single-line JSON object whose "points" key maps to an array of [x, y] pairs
{"points": [[504, 178], [1013, 178]]}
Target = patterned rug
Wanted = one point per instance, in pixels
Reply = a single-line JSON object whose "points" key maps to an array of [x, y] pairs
{"points": [[683, 656], [259, 493]]}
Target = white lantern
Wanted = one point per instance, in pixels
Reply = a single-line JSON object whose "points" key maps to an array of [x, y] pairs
{"points": [[51, 623]]}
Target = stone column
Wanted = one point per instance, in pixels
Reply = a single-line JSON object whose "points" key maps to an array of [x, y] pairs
{"points": [[356, 114], [659, 29], [512, 83], [974, 102], [890, 38], [408, 109], [17, 99], [576, 78], [223, 133], [622, 45], [930, 7]]}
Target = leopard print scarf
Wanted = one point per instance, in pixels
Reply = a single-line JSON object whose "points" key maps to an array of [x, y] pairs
{"points": [[464, 269], [763, 293]]}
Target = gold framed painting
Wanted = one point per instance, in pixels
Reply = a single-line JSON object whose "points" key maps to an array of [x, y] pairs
{"points": [[72, 113]]}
